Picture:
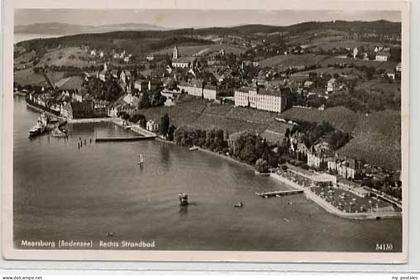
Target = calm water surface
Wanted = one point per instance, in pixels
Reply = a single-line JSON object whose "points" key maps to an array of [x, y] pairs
{"points": [[61, 192]]}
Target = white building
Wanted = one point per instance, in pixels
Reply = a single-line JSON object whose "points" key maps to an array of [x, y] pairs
{"points": [[271, 100], [183, 62], [210, 92], [331, 85], [382, 56], [246, 97], [152, 126], [267, 100], [346, 168], [355, 52]]}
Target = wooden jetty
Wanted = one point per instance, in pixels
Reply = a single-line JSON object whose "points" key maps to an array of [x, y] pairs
{"points": [[278, 193], [124, 139]]}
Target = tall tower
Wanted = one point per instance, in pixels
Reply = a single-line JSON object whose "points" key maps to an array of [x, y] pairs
{"points": [[175, 53]]}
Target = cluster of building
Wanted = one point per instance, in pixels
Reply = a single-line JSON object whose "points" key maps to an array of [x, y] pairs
{"points": [[98, 53]]}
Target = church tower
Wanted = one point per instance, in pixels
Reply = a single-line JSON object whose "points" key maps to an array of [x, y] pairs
{"points": [[175, 54]]}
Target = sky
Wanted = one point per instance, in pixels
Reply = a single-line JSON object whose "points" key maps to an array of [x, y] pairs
{"points": [[194, 18]]}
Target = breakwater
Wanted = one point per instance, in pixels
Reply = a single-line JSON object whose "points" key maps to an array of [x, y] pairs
{"points": [[124, 139], [90, 120]]}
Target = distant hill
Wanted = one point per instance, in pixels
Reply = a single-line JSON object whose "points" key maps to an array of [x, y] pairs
{"points": [[380, 26], [57, 28]]}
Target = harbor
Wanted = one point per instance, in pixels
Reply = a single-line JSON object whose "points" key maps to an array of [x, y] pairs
{"points": [[104, 185]]}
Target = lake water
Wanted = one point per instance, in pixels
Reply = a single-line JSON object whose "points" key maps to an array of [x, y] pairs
{"points": [[61, 192]]}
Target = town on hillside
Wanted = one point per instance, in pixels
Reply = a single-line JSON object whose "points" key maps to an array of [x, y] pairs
{"points": [[318, 105]]}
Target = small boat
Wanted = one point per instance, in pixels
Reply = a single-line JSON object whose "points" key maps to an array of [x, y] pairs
{"points": [[58, 133], [141, 159], [183, 199], [240, 204], [193, 148]]}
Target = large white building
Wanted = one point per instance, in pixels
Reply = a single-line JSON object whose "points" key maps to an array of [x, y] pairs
{"points": [[267, 100]]}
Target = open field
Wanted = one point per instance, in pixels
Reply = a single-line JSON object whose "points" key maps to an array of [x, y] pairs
{"points": [[24, 60], [386, 65], [312, 38], [29, 77], [285, 61], [205, 115], [327, 44], [377, 139], [379, 85], [347, 71], [340, 117], [65, 57], [198, 50]]}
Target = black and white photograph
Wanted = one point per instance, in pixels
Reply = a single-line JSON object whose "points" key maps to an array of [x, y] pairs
{"points": [[209, 134]]}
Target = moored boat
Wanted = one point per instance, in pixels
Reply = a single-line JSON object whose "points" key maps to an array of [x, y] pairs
{"points": [[58, 133], [40, 126], [183, 199], [141, 159]]}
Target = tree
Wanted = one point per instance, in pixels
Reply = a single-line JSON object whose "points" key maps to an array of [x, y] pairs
{"points": [[123, 115], [138, 118], [144, 101], [164, 125], [171, 131], [261, 165]]}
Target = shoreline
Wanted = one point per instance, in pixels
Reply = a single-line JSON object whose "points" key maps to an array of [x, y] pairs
{"points": [[158, 138], [226, 157]]}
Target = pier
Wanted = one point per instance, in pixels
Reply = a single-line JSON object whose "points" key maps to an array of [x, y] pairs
{"points": [[278, 193], [124, 139]]}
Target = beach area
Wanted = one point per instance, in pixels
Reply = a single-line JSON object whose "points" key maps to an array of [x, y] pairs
{"points": [[333, 210]]}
